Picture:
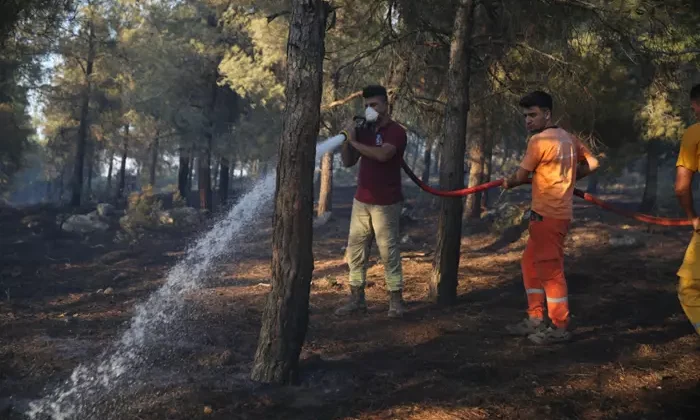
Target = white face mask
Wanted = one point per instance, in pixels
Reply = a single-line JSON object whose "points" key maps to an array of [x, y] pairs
{"points": [[371, 115]]}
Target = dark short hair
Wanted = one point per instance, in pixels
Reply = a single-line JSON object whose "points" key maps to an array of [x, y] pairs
{"points": [[375, 90], [537, 98], [695, 93]]}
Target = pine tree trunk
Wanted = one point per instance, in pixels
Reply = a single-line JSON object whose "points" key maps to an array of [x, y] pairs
{"points": [[90, 157], [325, 196], [416, 152], [426, 160], [476, 162], [438, 157], [488, 165], [286, 314], [223, 181], [154, 160], [191, 173], [183, 172], [122, 169], [110, 168], [443, 282], [652, 176], [84, 115], [204, 180]]}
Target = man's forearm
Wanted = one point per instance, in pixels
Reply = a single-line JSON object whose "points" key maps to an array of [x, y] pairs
{"points": [[375, 153], [685, 199], [348, 155]]}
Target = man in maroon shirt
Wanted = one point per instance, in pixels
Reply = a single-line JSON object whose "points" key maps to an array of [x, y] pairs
{"points": [[376, 209]]}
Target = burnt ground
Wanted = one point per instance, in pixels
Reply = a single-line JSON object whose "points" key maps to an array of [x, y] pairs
{"points": [[634, 354]]}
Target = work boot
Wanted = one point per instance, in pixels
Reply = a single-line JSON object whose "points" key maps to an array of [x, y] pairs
{"points": [[527, 326], [396, 308], [550, 335], [356, 303]]}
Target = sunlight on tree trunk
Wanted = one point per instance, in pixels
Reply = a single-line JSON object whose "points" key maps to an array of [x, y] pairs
{"points": [[476, 140], [325, 196]]}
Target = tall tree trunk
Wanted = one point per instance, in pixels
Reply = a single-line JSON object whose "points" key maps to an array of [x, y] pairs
{"points": [[61, 185], [652, 176], [488, 164], [215, 175], [325, 196], [192, 172], [476, 161], [204, 179], [438, 156], [223, 181], [443, 282], [183, 172], [90, 157], [426, 159], [416, 152], [122, 169], [84, 114], [154, 160], [286, 314], [110, 168]]}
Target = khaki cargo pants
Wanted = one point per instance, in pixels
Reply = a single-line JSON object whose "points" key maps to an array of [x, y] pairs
{"points": [[370, 221]]}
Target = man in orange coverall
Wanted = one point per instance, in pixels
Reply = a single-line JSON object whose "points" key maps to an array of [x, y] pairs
{"points": [[688, 163], [552, 157]]}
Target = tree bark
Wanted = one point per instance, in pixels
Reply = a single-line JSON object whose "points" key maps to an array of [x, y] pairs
{"points": [[426, 160], [438, 156], [84, 115], [122, 169], [476, 162], [416, 152], [191, 172], [325, 196], [110, 168], [90, 156], [154, 160], [443, 282], [223, 180], [204, 179], [183, 172], [652, 176], [286, 314], [488, 165]]}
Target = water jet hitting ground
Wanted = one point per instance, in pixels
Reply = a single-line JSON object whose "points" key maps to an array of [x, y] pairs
{"points": [[123, 363]]}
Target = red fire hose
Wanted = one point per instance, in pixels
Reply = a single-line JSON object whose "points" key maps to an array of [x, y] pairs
{"points": [[645, 218]]}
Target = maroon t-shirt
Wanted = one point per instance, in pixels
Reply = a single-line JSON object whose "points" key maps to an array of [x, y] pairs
{"points": [[380, 182]]}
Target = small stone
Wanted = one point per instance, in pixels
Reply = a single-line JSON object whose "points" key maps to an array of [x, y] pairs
{"points": [[105, 209], [109, 291], [120, 276]]}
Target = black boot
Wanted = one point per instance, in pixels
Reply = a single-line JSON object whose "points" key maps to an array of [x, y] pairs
{"points": [[356, 303], [396, 308]]}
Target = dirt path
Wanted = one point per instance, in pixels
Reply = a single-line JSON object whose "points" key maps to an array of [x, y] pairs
{"points": [[634, 354]]}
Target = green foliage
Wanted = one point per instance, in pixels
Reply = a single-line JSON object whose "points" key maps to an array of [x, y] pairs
{"points": [[144, 208]]}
